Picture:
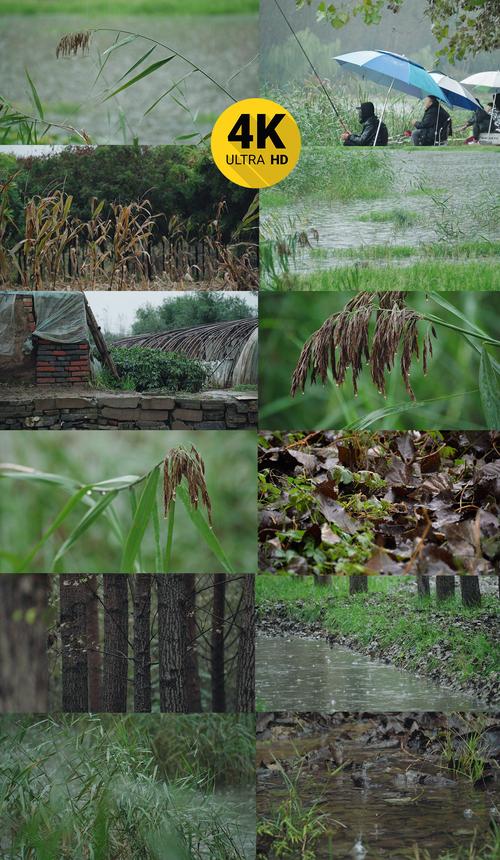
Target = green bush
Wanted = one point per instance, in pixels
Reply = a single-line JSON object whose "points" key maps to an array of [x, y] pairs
{"points": [[146, 369]]}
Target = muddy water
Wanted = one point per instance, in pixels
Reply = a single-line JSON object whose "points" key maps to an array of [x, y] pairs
{"points": [[219, 44], [461, 210], [390, 815], [296, 673]]}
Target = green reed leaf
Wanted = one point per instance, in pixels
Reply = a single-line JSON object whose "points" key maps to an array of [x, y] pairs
{"points": [[140, 522], [489, 389], [87, 520], [205, 531], [149, 71]]}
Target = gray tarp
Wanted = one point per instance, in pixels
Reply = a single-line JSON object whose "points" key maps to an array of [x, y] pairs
{"points": [[61, 317], [7, 305]]}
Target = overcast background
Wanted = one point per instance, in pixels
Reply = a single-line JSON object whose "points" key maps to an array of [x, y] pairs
{"points": [[116, 311]]}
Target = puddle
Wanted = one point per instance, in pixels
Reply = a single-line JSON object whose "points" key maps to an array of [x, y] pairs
{"points": [[221, 45], [391, 815], [296, 673], [460, 208]]}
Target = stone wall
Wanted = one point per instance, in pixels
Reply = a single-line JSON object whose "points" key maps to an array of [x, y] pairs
{"points": [[216, 410]]}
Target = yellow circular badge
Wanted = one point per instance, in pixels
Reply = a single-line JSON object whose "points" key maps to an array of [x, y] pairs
{"points": [[256, 143]]}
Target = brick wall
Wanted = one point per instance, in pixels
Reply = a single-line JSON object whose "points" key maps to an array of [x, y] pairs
{"points": [[62, 363], [57, 363]]}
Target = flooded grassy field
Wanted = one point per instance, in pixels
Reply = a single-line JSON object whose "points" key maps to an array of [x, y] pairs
{"points": [[69, 93], [421, 202], [302, 673], [378, 785]]}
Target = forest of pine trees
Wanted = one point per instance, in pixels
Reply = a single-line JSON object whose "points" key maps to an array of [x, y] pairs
{"points": [[178, 643]]}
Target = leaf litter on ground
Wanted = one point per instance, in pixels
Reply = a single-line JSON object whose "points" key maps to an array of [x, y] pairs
{"points": [[379, 503]]}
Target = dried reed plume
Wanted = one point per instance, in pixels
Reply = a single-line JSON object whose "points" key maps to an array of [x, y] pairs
{"points": [[348, 332], [179, 464], [70, 44]]}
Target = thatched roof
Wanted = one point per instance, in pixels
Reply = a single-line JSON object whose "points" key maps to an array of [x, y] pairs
{"points": [[230, 348]]}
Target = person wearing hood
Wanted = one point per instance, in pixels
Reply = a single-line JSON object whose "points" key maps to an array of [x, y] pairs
{"points": [[435, 125], [370, 131]]}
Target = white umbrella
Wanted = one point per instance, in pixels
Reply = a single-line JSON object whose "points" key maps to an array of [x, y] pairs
{"points": [[486, 81], [458, 96]]}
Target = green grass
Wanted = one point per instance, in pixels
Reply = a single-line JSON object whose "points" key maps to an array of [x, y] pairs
{"points": [[458, 251], [93, 786], [397, 620], [401, 218], [471, 275], [128, 7]]}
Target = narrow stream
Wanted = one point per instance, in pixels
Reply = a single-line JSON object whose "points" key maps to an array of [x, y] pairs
{"points": [[296, 673]]}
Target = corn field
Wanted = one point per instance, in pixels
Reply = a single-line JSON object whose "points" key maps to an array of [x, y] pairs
{"points": [[118, 249]]}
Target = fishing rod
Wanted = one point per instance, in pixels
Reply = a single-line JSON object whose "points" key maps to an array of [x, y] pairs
{"points": [[327, 94]]}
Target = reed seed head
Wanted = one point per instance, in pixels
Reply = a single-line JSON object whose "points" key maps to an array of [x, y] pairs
{"points": [[72, 43], [348, 332], [179, 464]]}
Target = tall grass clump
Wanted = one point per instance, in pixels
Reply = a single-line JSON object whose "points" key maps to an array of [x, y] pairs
{"points": [[91, 786]]}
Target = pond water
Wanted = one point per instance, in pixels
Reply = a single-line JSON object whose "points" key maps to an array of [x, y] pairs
{"points": [[297, 673], [391, 814], [434, 196], [222, 45], [239, 813]]}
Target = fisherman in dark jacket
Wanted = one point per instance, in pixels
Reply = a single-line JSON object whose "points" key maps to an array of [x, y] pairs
{"points": [[480, 121], [370, 124], [435, 125]]}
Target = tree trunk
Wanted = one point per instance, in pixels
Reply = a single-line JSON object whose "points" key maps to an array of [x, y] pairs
{"points": [[322, 579], [94, 645], [115, 643], [245, 696], [423, 586], [172, 639], [73, 600], [218, 631], [358, 584], [142, 639], [193, 687], [445, 587], [471, 592], [24, 680]]}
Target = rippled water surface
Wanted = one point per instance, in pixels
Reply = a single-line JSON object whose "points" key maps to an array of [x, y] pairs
{"points": [[448, 196], [296, 673]]}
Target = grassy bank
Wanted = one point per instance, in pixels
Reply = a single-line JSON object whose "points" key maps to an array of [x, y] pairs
{"points": [[414, 633], [430, 275], [129, 7]]}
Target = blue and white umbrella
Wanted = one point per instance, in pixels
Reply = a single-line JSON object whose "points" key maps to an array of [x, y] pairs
{"points": [[384, 67], [456, 93]]}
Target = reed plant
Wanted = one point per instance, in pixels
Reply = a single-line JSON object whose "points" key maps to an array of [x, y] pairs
{"points": [[183, 479]]}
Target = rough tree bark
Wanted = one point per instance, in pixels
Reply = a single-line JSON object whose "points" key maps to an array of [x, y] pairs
{"points": [[217, 644], [73, 601], [423, 585], [245, 693], [193, 686], [23, 643], [93, 645], [445, 587], [115, 673], [172, 642], [471, 592], [142, 639], [358, 584]]}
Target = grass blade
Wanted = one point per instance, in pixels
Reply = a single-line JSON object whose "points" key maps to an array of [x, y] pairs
{"points": [[138, 63], [143, 74], [489, 391], [388, 411], [87, 520], [140, 521], [66, 510], [36, 97], [205, 531]]}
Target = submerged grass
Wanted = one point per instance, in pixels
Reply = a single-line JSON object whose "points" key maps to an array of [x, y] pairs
{"points": [[397, 622]]}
